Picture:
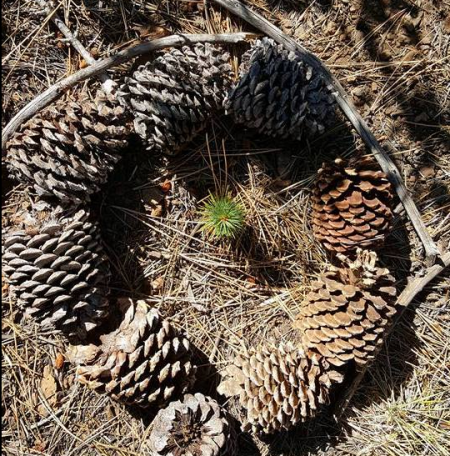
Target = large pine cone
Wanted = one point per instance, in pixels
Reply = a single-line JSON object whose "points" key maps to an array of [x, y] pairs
{"points": [[346, 315], [278, 387], [143, 362], [351, 205], [173, 96], [279, 95], [196, 425], [59, 271], [69, 149]]}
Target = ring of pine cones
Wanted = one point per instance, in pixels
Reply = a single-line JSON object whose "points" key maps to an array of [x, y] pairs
{"points": [[59, 272]]}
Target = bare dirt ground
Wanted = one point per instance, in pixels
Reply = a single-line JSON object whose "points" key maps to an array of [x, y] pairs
{"points": [[393, 58]]}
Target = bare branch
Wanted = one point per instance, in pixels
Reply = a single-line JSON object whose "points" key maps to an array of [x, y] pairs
{"points": [[100, 66], [386, 163]]}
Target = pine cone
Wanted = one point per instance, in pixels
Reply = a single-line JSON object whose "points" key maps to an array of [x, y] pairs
{"points": [[144, 362], [278, 387], [59, 272], [346, 315], [279, 95], [196, 425], [173, 96], [69, 149], [351, 205]]}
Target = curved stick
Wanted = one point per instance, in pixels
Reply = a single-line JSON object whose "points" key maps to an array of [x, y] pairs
{"points": [[385, 161], [100, 66]]}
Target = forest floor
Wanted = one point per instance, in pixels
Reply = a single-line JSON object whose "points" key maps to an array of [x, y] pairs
{"points": [[393, 57]]}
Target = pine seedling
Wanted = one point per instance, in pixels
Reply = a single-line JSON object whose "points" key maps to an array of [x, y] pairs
{"points": [[222, 217]]}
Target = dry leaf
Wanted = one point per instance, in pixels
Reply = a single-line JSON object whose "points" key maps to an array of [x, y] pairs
{"points": [[49, 389], [151, 31], [158, 283], [157, 211], [166, 186], [5, 285], [110, 412], [59, 361]]}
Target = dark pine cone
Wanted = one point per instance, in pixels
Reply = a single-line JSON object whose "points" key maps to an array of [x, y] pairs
{"points": [[280, 95], [59, 272]]}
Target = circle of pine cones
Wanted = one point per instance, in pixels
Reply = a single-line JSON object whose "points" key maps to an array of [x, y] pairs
{"points": [[60, 273]]}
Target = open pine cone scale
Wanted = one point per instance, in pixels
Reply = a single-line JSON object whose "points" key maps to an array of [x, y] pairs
{"points": [[351, 205], [347, 312]]}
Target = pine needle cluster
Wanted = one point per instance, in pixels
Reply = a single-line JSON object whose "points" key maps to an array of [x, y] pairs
{"points": [[222, 217]]}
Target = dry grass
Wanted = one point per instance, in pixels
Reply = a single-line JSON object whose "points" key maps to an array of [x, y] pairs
{"points": [[246, 292]]}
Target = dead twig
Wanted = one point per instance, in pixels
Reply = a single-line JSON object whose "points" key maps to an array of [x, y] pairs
{"points": [[386, 163], [100, 66], [107, 82], [414, 287]]}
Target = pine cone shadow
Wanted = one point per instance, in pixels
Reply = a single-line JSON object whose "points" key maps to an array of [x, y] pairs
{"points": [[424, 113], [7, 184], [119, 207]]}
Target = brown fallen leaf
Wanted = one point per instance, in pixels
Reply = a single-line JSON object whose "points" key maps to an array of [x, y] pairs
{"points": [[166, 186], [158, 283], [49, 389], [446, 25], [59, 361], [5, 285]]}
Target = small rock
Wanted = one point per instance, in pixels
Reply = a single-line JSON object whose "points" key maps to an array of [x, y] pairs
{"points": [[359, 91], [158, 283]]}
